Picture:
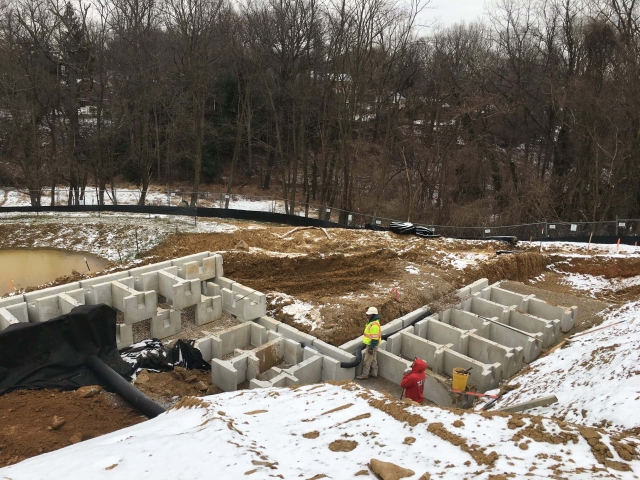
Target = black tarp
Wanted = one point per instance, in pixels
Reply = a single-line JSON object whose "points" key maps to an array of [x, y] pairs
{"points": [[52, 354]]}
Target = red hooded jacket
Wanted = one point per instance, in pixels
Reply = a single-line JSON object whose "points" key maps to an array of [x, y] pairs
{"points": [[413, 382]]}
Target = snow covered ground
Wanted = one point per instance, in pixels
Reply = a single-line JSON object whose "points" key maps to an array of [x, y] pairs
{"points": [[116, 237], [596, 378], [325, 431], [124, 196], [578, 249], [594, 284], [304, 313]]}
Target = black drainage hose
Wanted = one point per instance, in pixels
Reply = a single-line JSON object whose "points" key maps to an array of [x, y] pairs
{"points": [[131, 394], [358, 352]]}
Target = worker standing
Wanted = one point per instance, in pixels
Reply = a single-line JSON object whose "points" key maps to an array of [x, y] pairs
{"points": [[371, 340], [413, 380]]}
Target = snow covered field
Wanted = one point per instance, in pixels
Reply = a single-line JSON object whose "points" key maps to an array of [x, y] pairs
{"points": [[15, 198], [116, 237], [325, 431]]}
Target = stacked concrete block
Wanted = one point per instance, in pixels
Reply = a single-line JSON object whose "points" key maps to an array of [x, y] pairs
{"points": [[43, 305], [181, 293], [210, 289], [12, 310], [531, 305], [541, 309], [526, 346], [201, 266], [268, 323], [146, 278], [208, 310], [97, 291], [124, 336], [136, 306], [308, 371], [165, 323], [243, 302], [391, 367], [475, 287]]}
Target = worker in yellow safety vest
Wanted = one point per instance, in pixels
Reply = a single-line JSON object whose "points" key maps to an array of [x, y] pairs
{"points": [[372, 338]]}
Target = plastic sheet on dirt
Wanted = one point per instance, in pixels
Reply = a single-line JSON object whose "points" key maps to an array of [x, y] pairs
{"points": [[52, 354]]}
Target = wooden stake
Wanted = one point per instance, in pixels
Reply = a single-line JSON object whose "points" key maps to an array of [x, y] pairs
{"points": [[589, 244]]}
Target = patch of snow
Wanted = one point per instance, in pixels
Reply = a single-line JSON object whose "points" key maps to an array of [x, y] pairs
{"points": [[261, 433], [412, 269], [461, 260]]}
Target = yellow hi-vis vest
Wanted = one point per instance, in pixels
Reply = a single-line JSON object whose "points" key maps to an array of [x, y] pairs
{"points": [[372, 332]]}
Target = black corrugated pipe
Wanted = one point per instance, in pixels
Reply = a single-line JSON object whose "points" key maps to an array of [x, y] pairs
{"points": [[131, 394], [358, 352]]}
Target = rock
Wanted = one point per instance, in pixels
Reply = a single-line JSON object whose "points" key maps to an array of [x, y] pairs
{"points": [[143, 377], [388, 470], [409, 440], [425, 476], [76, 438], [523, 446], [58, 422], [88, 392], [211, 389], [202, 386], [192, 377], [242, 245]]}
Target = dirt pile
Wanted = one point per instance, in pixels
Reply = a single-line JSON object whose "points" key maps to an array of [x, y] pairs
{"points": [[35, 422], [166, 388]]}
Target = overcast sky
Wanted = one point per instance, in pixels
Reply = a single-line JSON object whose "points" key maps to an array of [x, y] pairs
{"points": [[448, 12]]}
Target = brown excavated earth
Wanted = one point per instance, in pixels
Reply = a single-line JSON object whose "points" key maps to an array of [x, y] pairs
{"points": [[343, 274], [27, 417], [348, 271]]}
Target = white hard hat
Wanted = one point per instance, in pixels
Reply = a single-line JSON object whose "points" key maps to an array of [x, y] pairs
{"points": [[372, 311]]}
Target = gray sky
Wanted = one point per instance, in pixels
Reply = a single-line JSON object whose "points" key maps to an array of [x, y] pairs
{"points": [[448, 12]]}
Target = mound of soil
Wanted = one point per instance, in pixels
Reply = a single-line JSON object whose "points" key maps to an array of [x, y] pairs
{"points": [[27, 421], [167, 388]]}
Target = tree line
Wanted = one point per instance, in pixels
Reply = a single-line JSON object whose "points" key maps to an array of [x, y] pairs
{"points": [[350, 104]]}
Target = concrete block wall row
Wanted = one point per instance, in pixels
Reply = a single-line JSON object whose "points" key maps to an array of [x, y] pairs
{"points": [[273, 343], [531, 305], [135, 292]]}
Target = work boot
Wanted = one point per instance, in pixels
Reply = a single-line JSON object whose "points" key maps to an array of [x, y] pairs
{"points": [[374, 375], [362, 377]]}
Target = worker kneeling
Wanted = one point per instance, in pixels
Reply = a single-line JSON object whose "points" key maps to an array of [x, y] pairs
{"points": [[371, 339], [413, 380]]}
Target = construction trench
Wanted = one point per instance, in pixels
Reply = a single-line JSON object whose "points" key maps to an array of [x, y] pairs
{"points": [[492, 331]]}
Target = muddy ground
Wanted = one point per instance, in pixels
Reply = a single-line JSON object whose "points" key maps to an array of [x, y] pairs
{"points": [[340, 275], [28, 424]]}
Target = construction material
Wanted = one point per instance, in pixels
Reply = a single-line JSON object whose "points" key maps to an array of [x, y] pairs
{"points": [[131, 394], [460, 377], [539, 402], [595, 329], [297, 229], [510, 328], [474, 394]]}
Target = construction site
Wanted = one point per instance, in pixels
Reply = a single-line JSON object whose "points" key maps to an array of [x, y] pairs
{"points": [[239, 344]]}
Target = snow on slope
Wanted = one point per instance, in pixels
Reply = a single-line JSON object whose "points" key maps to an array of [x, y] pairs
{"points": [[324, 430], [596, 379]]}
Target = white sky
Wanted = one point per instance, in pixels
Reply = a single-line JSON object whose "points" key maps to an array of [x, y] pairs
{"points": [[448, 12]]}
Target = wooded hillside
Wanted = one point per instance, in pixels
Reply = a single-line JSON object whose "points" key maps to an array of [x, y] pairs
{"points": [[349, 104]]}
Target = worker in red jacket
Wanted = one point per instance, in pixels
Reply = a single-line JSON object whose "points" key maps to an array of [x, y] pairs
{"points": [[413, 380]]}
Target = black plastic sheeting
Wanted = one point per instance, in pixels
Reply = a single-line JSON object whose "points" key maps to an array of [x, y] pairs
{"points": [[204, 212], [151, 354], [53, 354]]}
